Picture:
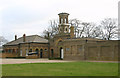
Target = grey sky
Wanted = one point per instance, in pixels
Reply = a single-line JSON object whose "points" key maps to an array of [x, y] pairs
{"points": [[32, 16]]}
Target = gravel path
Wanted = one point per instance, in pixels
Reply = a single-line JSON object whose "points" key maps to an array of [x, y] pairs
{"points": [[19, 61]]}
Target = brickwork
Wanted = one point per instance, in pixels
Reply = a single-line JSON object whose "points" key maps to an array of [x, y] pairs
{"points": [[23, 49]]}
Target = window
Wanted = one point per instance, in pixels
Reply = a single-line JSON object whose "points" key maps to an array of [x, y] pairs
{"points": [[9, 50], [60, 29], [60, 41], [13, 50], [66, 29], [65, 20], [41, 50], [30, 50], [80, 49], [21, 52], [45, 49], [61, 20], [16, 50], [67, 49], [37, 50]]}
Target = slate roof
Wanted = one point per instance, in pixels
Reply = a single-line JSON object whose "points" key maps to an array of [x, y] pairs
{"points": [[31, 38]]}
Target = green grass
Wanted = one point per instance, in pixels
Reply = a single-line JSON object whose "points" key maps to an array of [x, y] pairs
{"points": [[61, 69]]}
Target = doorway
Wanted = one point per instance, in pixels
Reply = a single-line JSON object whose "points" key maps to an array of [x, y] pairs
{"points": [[52, 52], [41, 53], [61, 53]]}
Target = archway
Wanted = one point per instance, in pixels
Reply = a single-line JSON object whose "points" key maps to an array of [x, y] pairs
{"points": [[52, 52], [61, 53], [37, 50], [41, 53]]}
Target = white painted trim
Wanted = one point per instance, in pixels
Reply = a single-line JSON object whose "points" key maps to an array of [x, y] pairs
{"points": [[62, 53]]}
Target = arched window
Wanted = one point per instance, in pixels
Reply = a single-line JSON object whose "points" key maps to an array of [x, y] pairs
{"points": [[30, 50], [61, 20], [41, 50], [37, 50], [65, 20], [66, 29], [45, 49]]}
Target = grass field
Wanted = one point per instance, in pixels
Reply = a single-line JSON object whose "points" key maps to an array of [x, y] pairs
{"points": [[61, 69]]}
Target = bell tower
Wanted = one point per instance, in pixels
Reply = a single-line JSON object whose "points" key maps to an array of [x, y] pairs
{"points": [[63, 23], [65, 30]]}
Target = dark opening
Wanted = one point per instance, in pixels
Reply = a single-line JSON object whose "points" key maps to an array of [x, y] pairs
{"points": [[60, 51], [52, 52], [30, 50], [41, 50], [66, 29], [37, 51]]}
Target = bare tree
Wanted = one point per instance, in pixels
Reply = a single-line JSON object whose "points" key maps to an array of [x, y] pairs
{"points": [[83, 29], [109, 28], [96, 32], [52, 29], [88, 30], [118, 33], [76, 23], [3, 40], [106, 30]]}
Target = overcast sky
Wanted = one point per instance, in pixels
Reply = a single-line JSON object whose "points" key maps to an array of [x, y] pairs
{"points": [[32, 16]]}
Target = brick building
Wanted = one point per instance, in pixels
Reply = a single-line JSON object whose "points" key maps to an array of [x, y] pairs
{"points": [[64, 45]]}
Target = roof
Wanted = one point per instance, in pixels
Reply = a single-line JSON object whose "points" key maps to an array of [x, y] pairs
{"points": [[91, 39], [63, 13], [31, 38]]}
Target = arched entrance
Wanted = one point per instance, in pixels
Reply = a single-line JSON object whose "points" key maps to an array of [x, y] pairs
{"points": [[37, 50], [41, 52], [61, 53], [52, 52]]}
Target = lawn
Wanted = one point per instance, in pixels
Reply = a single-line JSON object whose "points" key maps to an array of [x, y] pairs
{"points": [[61, 69]]}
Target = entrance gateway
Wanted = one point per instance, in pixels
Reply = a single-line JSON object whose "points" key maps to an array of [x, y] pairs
{"points": [[61, 53]]}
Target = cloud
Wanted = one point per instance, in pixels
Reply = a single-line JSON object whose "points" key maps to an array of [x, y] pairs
{"points": [[32, 16]]}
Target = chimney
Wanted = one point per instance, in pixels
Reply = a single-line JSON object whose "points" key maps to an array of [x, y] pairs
{"points": [[15, 37], [24, 37]]}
